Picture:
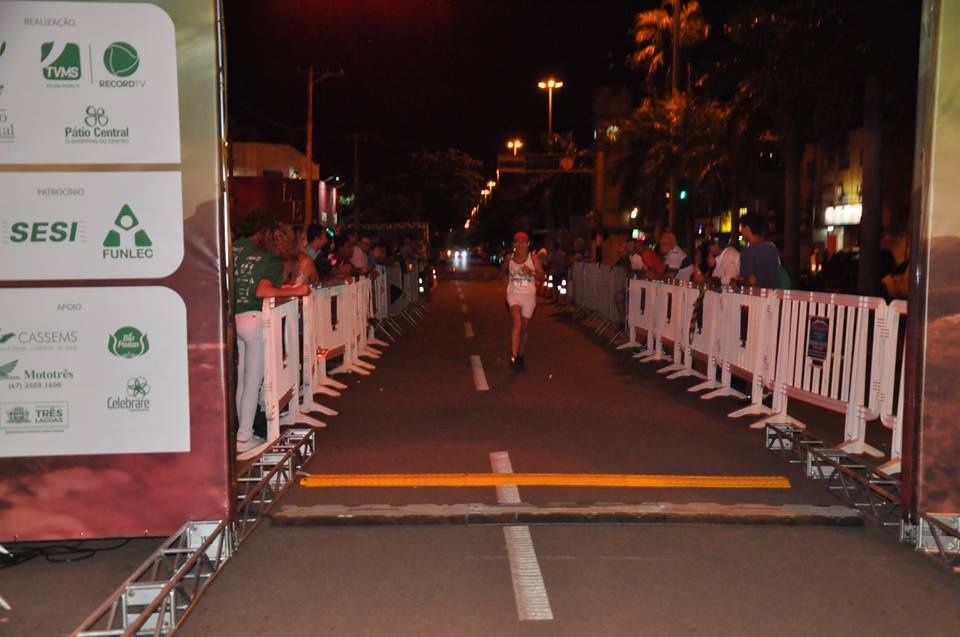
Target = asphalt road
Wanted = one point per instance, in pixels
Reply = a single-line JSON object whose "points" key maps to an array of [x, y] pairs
{"points": [[579, 408]]}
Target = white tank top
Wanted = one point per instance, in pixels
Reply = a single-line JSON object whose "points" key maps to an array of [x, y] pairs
{"points": [[520, 282]]}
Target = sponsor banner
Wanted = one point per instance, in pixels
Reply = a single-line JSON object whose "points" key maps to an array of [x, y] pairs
{"points": [[116, 225], [88, 83], [93, 371]]}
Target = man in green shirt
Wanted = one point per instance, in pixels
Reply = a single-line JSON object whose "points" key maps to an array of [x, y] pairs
{"points": [[257, 274]]}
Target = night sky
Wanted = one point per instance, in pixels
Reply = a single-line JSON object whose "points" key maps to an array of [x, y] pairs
{"points": [[420, 73]]}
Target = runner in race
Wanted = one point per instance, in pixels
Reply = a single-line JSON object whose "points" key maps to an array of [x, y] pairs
{"points": [[521, 272]]}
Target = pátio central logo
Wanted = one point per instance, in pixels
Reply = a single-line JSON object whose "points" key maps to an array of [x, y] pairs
{"points": [[126, 229], [7, 132], [65, 66], [128, 342], [95, 129]]}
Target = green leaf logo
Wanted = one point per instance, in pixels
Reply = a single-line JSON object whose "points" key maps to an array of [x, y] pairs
{"points": [[7, 369], [5, 337], [3, 47], [128, 342]]}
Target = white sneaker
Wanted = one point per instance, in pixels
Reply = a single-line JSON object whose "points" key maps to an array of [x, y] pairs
{"points": [[247, 445]]}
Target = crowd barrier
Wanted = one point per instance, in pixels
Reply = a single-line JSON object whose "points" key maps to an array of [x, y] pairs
{"points": [[838, 352], [304, 336]]}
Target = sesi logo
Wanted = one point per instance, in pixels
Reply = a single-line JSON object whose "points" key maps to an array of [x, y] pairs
{"points": [[46, 231]]}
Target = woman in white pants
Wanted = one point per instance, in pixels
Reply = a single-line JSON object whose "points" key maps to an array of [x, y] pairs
{"points": [[258, 273], [521, 272]]}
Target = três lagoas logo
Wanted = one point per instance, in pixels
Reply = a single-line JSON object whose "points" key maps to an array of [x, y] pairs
{"points": [[128, 342]]}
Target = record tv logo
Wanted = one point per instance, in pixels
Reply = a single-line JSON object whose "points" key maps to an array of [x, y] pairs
{"points": [[61, 65]]}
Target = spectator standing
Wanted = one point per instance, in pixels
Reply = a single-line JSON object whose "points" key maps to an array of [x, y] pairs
{"points": [[258, 274], [676, 262], [298, 266], [316, 240], [760, 259], [727, 268]]}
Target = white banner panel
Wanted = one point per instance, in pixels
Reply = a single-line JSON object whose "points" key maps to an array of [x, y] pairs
{"points": [[90, 225], [88, 83], [93, 371]]}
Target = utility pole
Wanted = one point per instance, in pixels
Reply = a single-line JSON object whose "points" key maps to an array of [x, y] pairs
{"points": [[356, 179], [674, 75], [308, 194], [308, 180]]}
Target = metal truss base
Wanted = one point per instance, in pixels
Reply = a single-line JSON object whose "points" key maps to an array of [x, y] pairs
{"points": [[164, 589], [871, 491]]}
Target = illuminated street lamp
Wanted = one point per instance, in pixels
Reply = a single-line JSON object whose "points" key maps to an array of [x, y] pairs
{"points": [[491, 184], [515, 145], [548, 85]]}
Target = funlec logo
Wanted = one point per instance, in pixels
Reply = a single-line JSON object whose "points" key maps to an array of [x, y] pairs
{"points": [[65, 66], [125, 225]]}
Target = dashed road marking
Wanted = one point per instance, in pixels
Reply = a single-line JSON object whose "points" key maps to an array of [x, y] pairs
{"points": [[529, 591], [479, 378], [464, 308], [468, 330]]}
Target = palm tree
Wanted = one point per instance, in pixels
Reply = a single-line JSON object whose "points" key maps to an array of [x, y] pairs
{"points": [[681, 26]]}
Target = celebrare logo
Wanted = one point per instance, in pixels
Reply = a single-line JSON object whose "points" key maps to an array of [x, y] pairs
{"points": [[127, 227], [6, 370], [136, 396], [65, 67], [128, 342]]}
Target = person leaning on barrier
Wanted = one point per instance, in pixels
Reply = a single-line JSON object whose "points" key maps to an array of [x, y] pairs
{"points": [[760, 259], [677, 265], [258, 274], [316, 239], [727, 267], [298, 266]]}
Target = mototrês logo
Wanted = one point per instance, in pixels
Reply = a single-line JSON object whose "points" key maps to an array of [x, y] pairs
{"points": [[62, 67], [128, 342], [7, 369]]}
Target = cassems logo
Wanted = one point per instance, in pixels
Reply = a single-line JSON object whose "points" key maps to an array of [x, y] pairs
{"points": [[39, 339], [61, 65], [135, 398], [121, 61]]}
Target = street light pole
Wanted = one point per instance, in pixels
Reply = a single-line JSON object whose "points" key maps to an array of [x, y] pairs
{"points": [[308, 179], [549, 85]]}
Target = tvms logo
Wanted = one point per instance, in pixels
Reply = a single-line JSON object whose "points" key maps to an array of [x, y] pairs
{"points": [[135, 398], [126, 231], [44, 232], [121, 61], [62, 65], [7, 132], [128, 342]]}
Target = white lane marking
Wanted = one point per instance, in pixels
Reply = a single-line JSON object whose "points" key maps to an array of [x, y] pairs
{"points": [[464, 308], [528, 588], [479, 378], [460, 294], [468, 330]]}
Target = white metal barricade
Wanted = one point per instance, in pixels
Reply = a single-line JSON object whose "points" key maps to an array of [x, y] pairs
{"points": [[688, 330], [634, 310], [826, 344], [659, 323], [381, 305], [645, 307], [281, 370], [749, 345], [314, 379], [707, 343], [891, 377], [605, 309]]}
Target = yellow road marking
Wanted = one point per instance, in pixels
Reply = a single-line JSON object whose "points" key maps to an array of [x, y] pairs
{"points": [[544, 480]]}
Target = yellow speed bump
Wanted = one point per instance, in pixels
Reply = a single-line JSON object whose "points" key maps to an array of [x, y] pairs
{"points": [[544, 480]]}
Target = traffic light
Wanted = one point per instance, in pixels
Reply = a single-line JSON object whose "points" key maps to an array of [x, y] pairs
{"points": [[683, 194]]}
